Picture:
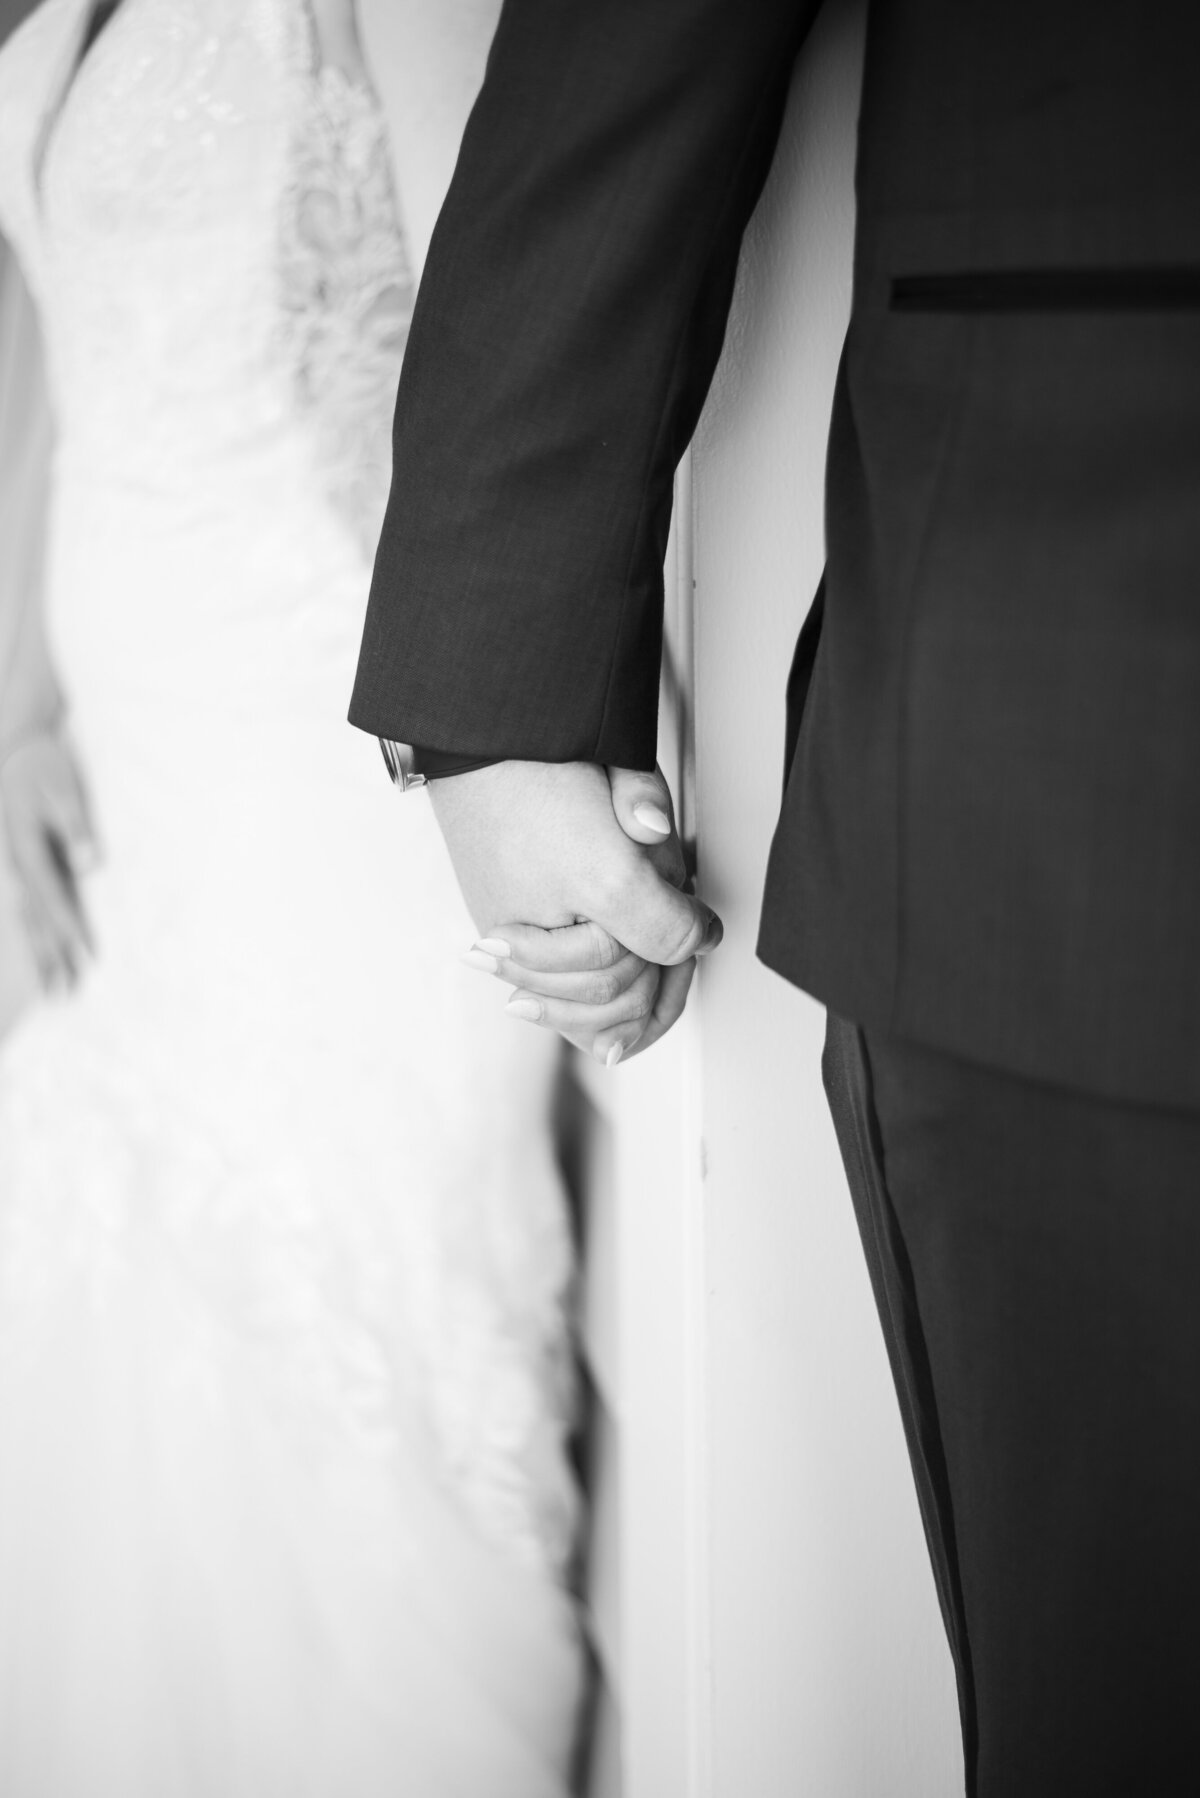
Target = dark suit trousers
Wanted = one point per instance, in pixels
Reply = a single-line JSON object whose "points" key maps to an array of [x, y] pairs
{"points": [[1035, 1255]]}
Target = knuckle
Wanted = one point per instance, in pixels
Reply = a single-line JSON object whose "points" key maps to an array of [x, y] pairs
{"points": [[613, 951], [604, 989], [641, 1003], [602, 951]]}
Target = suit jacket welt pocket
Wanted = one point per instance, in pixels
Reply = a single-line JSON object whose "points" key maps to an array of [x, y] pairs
{"points": [[1048, 290]]}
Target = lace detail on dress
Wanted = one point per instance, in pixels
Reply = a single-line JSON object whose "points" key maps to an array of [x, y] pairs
{"points": [[346, 292], [225, 295]]}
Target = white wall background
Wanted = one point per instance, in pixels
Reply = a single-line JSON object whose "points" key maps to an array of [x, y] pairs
{"points": [[427, 58]]}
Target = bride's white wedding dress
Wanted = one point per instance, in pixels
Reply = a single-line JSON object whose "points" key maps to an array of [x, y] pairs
{"points": [[284, 1366]]}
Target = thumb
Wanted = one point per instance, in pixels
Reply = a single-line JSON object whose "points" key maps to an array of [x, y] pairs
{"points": [[642, 803], [657, 921]]}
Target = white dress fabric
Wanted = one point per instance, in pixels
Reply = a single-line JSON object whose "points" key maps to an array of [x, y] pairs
{"points": [[285, 1368]]}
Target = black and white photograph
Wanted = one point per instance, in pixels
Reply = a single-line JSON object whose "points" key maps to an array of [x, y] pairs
{"points": [[599, 884]]}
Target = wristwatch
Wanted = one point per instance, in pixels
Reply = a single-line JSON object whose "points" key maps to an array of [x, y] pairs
{"points": [[411, 765], [400, 760]]}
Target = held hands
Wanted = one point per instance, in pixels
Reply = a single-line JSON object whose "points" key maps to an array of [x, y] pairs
{"points": [[594, 862], [51, 842]]}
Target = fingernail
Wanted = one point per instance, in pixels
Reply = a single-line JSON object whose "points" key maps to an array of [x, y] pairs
{"points": [[529, 1009], [614, 1055], [494, 945], [712, 935], [479, 958], [653, 817]]}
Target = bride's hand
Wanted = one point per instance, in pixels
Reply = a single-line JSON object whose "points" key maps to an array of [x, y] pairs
{"points": [[579, 979], [51, 843]]}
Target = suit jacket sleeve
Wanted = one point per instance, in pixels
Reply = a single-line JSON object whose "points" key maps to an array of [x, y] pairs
{"points": [[568, 323]]}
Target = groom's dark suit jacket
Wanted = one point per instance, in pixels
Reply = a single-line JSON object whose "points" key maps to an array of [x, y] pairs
{"points": [[990, 840]]}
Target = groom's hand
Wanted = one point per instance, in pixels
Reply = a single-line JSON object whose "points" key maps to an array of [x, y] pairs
{"points": [[541, 842]]}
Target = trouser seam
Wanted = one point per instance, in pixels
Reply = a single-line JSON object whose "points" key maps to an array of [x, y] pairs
{"points": [[937, 1517]]}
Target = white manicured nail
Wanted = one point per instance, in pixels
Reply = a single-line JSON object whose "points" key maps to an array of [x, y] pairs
{"points": [[479, 958], [614, 1055], [529, 1009], [494, 945], [653, 817]]}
